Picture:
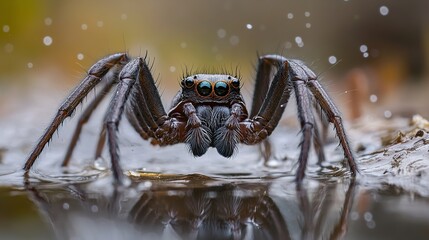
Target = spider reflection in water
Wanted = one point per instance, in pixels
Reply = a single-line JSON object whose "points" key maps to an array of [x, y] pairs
{"points": [[197, 211], [208, 111]]}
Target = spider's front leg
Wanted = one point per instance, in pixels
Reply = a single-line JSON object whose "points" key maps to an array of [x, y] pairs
{"points": [[145, 111]]}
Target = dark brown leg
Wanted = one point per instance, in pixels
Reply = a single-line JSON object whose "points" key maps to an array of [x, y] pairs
{"points": [[262, 83], [127, 79], [95, 74], [84, 119], [139, 110], [278, 92], [137, 125], [136, 70], [294, 72], [263, 123], [151, 95], [263, 79], [306, 118], [334, 117], [318, 144], [100, 142]]}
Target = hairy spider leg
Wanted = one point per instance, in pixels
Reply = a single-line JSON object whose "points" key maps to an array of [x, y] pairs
{"points": [[334, 117], [127, 78], [306, 118], [94, 76], [294, 75], [262, 83], [145, 90], [83, 119], [137, 114]]}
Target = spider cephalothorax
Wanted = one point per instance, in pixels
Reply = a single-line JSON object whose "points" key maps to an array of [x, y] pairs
{"points": [[211, 97], [208, 111]]}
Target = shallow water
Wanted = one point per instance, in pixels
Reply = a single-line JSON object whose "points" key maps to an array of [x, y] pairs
{"points": [[172, 195]]}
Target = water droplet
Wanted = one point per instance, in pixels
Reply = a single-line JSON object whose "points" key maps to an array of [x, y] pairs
{"points": [[48, 21], [288, 45], [307, 14], [66, 206], [47, 40], [234, 40], [367, 216], [6, 28], [308, 25], [94, 208], [332, 59], [290, 15], [30, 65], [373, 98], [124, 16], [8, 47], [249, 26], [144, 186], [84, 26], [100, 23], [183, 44], [299, 41], [387, 114], [363, 48], [365, 55], [221, 33], [172, 193], [172, 68], [80, 56], [127, 182], [384, 10], [147, 184]]}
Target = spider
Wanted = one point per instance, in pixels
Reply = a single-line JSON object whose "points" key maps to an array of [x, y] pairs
{"points": [[208, 111]]}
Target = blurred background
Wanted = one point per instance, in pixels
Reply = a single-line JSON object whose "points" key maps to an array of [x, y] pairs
{"points": [[372, 56], [369, 53]]}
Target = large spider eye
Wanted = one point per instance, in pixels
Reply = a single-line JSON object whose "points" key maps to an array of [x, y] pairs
{"points": [[235, 83], [204, 88], [188, 82], [221, 88]]}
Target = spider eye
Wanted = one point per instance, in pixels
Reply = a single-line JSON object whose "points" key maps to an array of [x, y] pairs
{"points": [[188, 82], [204, 88], [221, 88], [235, 83]]}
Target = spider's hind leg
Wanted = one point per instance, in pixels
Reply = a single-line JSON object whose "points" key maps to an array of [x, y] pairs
{"points": [[83, 119], [319, 137], [306, 119], [94, 76], [334, 116]]}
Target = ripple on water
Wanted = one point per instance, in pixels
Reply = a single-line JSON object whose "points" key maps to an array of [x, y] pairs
{"points": [[67, 175]]}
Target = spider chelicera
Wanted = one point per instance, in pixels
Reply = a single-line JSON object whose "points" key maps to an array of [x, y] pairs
{"points": [[208, 111]]}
